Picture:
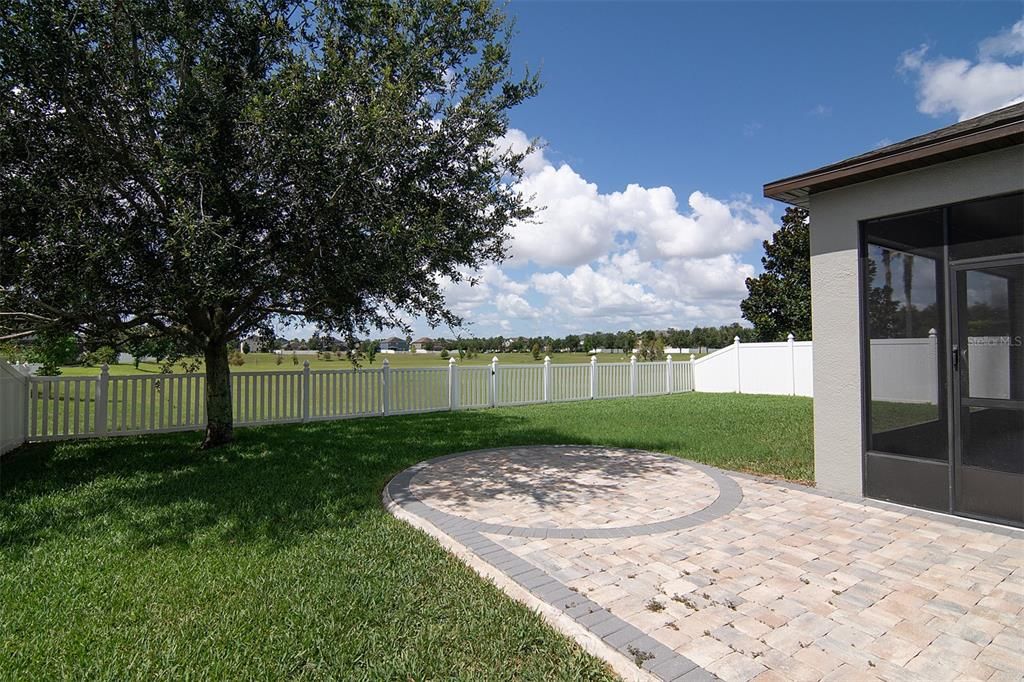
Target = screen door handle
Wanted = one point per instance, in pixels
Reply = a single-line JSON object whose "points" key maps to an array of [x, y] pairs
{"points": [[956, 358]]}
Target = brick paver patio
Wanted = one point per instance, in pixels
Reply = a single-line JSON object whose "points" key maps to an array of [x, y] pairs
{"points": [[690, 572]]}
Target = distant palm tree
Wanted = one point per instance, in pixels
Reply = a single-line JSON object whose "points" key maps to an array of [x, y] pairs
{"points": [[908, 290]]}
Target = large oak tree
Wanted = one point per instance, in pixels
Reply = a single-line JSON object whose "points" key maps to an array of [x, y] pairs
{"points": [[201, 167]]}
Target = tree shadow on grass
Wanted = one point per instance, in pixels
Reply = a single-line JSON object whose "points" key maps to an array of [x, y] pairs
{"points": [[274, 485]]}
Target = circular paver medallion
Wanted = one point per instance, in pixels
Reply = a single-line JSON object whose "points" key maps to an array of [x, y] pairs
{"points": [[568, 491], [564, 488]]}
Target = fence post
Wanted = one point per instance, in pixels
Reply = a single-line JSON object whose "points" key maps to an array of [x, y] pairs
{"points": [[102, 391], [693, 372], [547, 379], [632, 374], [30, 406], [494, 381], [305, 391], [453, 384], [739, 373], [385, 374], [792, 364], [668, 373], [593, 377]]}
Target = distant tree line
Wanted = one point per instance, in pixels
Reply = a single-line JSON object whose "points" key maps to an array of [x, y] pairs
{"points": [[697, 337]]}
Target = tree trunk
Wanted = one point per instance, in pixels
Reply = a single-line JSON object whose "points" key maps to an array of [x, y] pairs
{"points": [[219, 418]]}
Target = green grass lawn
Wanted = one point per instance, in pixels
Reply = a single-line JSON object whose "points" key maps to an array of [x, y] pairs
{"points": [[267, 362], [272, 558]]}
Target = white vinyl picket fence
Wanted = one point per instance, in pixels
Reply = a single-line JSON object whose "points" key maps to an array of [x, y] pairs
{"points": [[55, 408]]}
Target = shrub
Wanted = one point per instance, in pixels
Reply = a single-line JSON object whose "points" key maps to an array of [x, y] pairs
{"points": [[278, 359], [236, 358], [104, 355], [11, 352], [51, 350], [444, 353], [295, 358]]}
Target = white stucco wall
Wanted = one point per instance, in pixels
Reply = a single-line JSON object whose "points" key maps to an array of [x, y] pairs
{"points": [[835, 293]]}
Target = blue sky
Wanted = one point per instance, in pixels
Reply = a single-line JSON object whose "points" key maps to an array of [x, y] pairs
{"points": [[725, 96], [662, 121]]}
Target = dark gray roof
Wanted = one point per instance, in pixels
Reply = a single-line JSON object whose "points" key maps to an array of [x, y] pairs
{"points": [[1000, 128]]}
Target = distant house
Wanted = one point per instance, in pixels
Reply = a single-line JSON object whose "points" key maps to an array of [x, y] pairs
{"points": [[394, 345], [250, 344], [423, 343]]}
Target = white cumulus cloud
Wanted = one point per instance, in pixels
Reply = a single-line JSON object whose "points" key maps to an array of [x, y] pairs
{"points": [[624, 289], [710, 227], [1005, 44], [965, 87], [576, 223], [637, 257], [514, 305]]}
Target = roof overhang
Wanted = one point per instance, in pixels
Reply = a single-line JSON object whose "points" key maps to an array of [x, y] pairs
{"points": [[1004, 128]]}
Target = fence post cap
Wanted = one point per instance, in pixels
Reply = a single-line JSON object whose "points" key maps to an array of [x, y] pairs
{"points": [[692, 357], [668, 357], [789, 336], [494, 359], [385, 363], [932, 332], [593, 359], [104, 368], [547, 360], [736, 339], [305, 364], [632, 358], [451, 361]]}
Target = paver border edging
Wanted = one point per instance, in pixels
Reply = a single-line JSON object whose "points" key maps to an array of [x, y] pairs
{"points": [[598, 630], [730, 494]]}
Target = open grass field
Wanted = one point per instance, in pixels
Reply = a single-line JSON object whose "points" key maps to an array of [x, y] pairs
{"points": [[274, 558], [267, 362]]}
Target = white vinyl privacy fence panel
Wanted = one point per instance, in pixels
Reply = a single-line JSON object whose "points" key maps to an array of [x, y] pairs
{"points": [[13, 407], [903, 370], [782, 368], [54, 408]]}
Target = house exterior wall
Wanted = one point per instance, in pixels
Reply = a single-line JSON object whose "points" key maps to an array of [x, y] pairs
{"points": [[835, 290]]}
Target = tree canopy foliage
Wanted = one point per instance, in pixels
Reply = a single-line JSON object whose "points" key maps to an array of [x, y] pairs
{"points": [[193, 170], [779, 300]]}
